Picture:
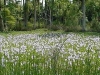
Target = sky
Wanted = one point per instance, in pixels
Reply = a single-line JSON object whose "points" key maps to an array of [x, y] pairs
{"points": [[40, 1]]}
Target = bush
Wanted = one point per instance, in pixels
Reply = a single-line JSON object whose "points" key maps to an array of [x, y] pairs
{"points": [[10, 25], [54, 27], [18, 27], [30, 26], [11, 21], [95, 25], [6, 12], [72, 28]]}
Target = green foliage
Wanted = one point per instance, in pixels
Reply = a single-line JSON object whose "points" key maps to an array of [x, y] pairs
{"points": [[10, 20], [72, 28], [72, 15], [21, 27], [5, 12], [10, 25], [64, 14], [56, 27], [95, 25], [30, 26], [2, 3]]}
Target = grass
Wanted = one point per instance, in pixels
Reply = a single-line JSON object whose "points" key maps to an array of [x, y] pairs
{"points": [[44, 52], [43, 30]]}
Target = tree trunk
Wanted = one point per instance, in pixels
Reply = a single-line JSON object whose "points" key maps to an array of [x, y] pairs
{"points": [[83, 16], [39, 15], [34, 14], [46, 12], [4, 20], [1, 25], [25, 14], [51, 12], [50, 19], [1, 22]]}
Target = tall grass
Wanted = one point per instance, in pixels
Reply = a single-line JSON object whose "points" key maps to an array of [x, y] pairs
{"points": [[49, 54]]}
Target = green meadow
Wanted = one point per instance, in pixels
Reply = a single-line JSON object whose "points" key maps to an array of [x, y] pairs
{"points": [[49, 53]]}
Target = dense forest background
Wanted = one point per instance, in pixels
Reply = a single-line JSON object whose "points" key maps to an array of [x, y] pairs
{"points": [[76, 15]]}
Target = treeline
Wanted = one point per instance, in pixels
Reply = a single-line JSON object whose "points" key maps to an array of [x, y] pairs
{"points": [[76, 15]]}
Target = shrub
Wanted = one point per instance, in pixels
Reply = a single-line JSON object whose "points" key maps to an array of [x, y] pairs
{"points": [[30, 26], [11, 21], [54, 27], [72, 28], [10, 25], [95, 25], [5, 12]]}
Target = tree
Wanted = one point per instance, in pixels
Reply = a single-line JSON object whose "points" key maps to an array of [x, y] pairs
{"points": [[82, 7], [4, 20], [34, 3], [39, 10], [1, 20], [51, 12], [25, 5], [83, 15], [93, 15]]}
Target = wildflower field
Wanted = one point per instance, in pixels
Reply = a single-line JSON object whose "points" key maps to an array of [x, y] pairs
{"points": [[50, 54]]}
